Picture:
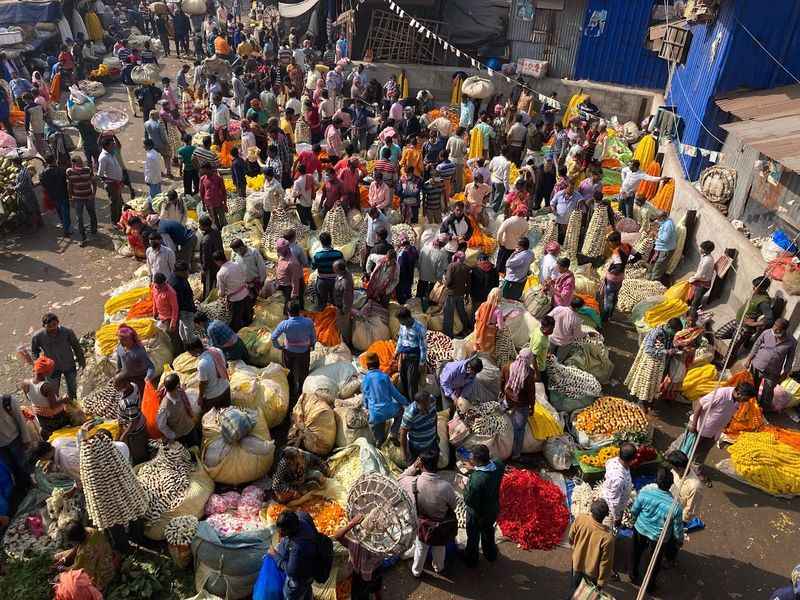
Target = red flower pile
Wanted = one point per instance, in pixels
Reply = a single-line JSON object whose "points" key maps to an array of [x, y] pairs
{"points": [[533, 512]]}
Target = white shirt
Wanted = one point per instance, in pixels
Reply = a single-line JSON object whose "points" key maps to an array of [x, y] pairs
{"points": [[617, 486], [295, 105], [275, 195], [153, 165], [252, 263], [511, 230], [631, 180], [232, 282], [160, 261], [499, 167], [326, 109], [549, 268], [108, 166], [248, 141], [300, 58], [66, 455], [705, 269], [220, 115], [302, 195], [207, 372]]}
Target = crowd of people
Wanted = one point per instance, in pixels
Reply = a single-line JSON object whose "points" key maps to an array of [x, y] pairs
{"points": [[328, 142]]}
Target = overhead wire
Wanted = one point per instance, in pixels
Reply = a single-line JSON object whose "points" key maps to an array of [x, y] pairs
{"points": [[760, 45]]}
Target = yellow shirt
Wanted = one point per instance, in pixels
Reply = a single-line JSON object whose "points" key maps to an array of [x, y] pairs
{"points": [[411, 157], [287, 129]]}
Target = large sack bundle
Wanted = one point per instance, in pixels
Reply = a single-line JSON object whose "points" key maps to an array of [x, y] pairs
{"points": [[487, 383], [477, 87], [313, 423], [159, 349], [78, 112], [268, 313], [349, 463], [352, 421], [258, 342], [265, 390], [591, 355], [340, 380], [144, 74], [519, 321], [492, 428], [194, 7], [322, 356], [243, 461], [370, 324], [95, 89], [569, 387], [98, 371]]}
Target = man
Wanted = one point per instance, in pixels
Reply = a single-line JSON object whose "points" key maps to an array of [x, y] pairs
{"points": [[432, 150], [562, 205], [457, 227], [435, 500], [477, 193], [250, 259], [222, 337], [367, 565], [703, 275], [343, 300], [615, 275], [711, 416], [210, 243], [220, 119], [382, 401], [631, 177], [165, 308], [592, 546], [332, 191], [457, 378], [34, 123], [456, 282], [183, 237], [617, 485], [511, 230], [411, 352], [16, 440], [181, 26], [376, 223], [175, 418], [518, 267], [756, 316], [290, 235], [214, 390], [186, 306], [418, 428], [304, 190], [482, 498], [770, 360], [323, 261], [333, 137], [54, 181], [300, 339], [232, 286], [203, 156], [110, 171], [433, 198], [653, 510], [457, 150], [567, 324], [159, 258], [61, 346], [213, 194], [82, 190], [515, 138], [433, 263], [499, 167], [666, 241], [297, 553], [153, 165], [689, 490], [380, 196], [540, 345]]}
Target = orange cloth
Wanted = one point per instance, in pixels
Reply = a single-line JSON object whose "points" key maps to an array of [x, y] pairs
{"points": [[44, 366], [16, 116], [55, 88], [479, 239], [142, 309], [385, 352], [325, 326], [75, 585], [306, 275], [748, 417], [663, 198], [221, 46], [485, 328], [611, 190], [363, 196], [648, 189], [150, 406], [412, 155], [589, 302], [225, 158], [611, 163]]}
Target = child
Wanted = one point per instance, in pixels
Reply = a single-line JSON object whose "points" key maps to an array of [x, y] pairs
{"points": [[701, 280]]}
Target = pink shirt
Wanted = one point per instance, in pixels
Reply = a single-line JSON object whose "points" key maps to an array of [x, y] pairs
{"points": [[718, 409], [563, 289], [165, 304], [567, 328], [380, 196]]}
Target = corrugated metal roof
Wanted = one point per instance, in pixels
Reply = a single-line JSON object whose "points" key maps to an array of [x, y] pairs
{"points": [[777, 102]]}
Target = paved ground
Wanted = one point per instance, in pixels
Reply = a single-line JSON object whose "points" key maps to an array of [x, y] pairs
{"points": [[747, 550]]}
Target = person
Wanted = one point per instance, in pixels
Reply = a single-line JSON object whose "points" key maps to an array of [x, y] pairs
{"points": [[296, 553], [418, 428], [433, 198], [666, 241], [239, 173], [562, 284], [43, 396], [251, 261], [133, 429], [203, 156], [274, 193], [175, 417], [483, 278], [689, 489], [654, 510], [288, 276], [213, 194], [165, 307], [214, 389], [16, 440], [110, 171], [382, 400], [407, 258], [377, 222], [232, 286], [153, 165], [617, 484], [632, 176], [185, 296], [91, 554], [343, 300], [457, 378], [456, 282], [711, 416], [210, 243], [384, 274], [648, 367], [82, 189], [755, 316], [435, 500], [300, 339], [703, 275], [771, 360], [481, 497], [790, 592], [548, 269], [156, 133], [298, 473], [304, 190], [412, 156], [386, 167], [592, 546], [323, 261], [540, 345], [562, 204], [457, 227], [615, 275], [433, 264], [54, 182], [477, 193], [409, 189], [511, 230], [457, 151], [519, 391], [518, 267], [567, 325], [332, 191], [367, 579], [499, 167], [159, 257], [182, 237], [516, 138], [60, 344]]}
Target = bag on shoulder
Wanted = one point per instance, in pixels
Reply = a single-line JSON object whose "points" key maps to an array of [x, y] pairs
{"points": [[433, 532], [324, 563]]}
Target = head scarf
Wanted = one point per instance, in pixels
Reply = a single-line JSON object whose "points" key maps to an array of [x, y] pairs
{"points": [[282, 247], [552, 247], [521, 211], [152, 220], [75, 585], [484, 264], [459, 257], [44, 366], [518, 372], [126, 331]]}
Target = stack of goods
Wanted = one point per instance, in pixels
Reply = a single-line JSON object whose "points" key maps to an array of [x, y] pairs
{"points": [[634, 291], [231, 512], [718, 184], [62, 509], [180, 530], [659, 314], [8, 177], [327, 514], [609, 416], [766, 463], [440, 349], [106, 337], [569, 387], [102, 402], [215, 308], [338, 226], [165, 478], [237, 447], [280, 220], [313, 423]]}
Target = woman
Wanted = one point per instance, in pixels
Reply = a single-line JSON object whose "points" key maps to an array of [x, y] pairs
{"points": [[647, 371], [288, 275], [133, 364], [43, 396], [44, 90], [563, 286], [407, 262], [686, 342], [409, 189], [488, 319], [92, 555], [516, 201], [519, 389], [384, 278], [171, 120], [27, 203]]}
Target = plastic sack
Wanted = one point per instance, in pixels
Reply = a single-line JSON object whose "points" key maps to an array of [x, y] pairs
{"points": [[591, 357], [477, 87], [258, 342], [235, 424], [236, 464], [80, 112], [313, 423], [370, 325], [351, 424], [558, 452], [322, 356], [330, 379], [194, 7], [264, 390], [269, 585]]}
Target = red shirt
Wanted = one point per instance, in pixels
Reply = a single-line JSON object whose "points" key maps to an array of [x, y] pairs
{"points": [[312, 118], [311, 162], [212, 191], [165, 304], [349, 180], [66, 60], [333, 193]]}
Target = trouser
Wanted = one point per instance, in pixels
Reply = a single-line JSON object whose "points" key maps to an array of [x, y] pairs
{"points": [[298, 364], [364, 590], [324, 288], [114, 191], [421, 555], [182, 43], [186, 251], [186, 326], [423, 290], [295, 589], [765, 386], [379, 429], [174, 336], [502, 256], [217, 215], [71, 377], [62, 207], [698, 291], [191, 182], [286, 290], [415, 452], [433, 215], [610, 295], [660, 262], [513, 289], [409, 374], [344, 323], [577, 578], [515, 154], [236, 352], [241, 313], [641, 544], [193, 438], [241, 190], [479, 534], [8, 126], [153, 190], [458, 179], [306, 218], [410, 213], [562, 232], [498, 193], [626, 205], [134, 104], [80, 204], [15, 457], [451, 304], [519, 422]]}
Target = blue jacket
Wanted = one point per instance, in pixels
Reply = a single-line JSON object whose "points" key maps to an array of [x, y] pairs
{"points": [[296, 555], [381, 398], [651, 509]]}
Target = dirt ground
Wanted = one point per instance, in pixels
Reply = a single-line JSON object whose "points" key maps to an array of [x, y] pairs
{"points": [[746, 550]]}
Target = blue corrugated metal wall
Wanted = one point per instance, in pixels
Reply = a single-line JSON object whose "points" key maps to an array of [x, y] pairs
{"points": [[618, 54], [724, 58]]}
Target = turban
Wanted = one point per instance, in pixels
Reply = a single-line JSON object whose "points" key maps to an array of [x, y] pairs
{"points": [[44, 366], [552, 247]]}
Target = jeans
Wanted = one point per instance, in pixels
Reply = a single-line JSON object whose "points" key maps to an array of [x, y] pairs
{"points": [[502, 256], [89, 206], [114, 191], [14, 456], [63, 215], [71, 377], [191, 182], [519, 421], [298, 364], [498, 193], [379, 429], [481, 534], [451, 304], [409, 375], [324, 289], [421, 555], [659, 267], [626, 205], [154, 189], [610, 294], [304, 212]]}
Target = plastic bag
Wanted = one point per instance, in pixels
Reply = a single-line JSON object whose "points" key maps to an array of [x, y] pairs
{"points": [[150, 406], [235, 424], [558, 452], [269, 585]]}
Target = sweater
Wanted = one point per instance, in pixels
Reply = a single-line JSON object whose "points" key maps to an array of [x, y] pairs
{"points": [[482, 494], [592, 548]]}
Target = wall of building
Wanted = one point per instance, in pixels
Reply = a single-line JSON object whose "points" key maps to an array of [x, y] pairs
{"points": [[617, 54], [742, 158]]}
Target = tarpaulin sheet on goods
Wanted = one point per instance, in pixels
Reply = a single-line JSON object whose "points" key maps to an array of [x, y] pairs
{"points": [[290, 11], [474, 23], [29, 11]]}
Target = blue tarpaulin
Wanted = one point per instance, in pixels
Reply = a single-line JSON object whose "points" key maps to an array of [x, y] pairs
{"points": [[29, 11]]}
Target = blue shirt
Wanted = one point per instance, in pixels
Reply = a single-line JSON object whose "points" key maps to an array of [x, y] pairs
{"points": [[651, 509], [381, 398], [421, 426], [412, 339], [220, 335], [299, 332], [178, 233], [666, 240], [455, 380], [564, 205]]}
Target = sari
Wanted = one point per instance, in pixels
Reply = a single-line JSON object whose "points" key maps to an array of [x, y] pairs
{"points": [[564, 289], [686, 341], [95, 556], [383, 279], [488, 319]]}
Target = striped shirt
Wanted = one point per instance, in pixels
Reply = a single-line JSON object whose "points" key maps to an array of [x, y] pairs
{"points": [[421, 426], [129, 411], [147, 56], [323, 262], [432, 193], [202, 157], [79, 183], [387, 168], [446, 169]]}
